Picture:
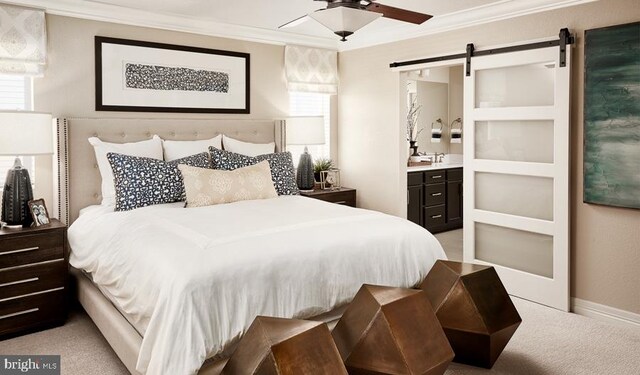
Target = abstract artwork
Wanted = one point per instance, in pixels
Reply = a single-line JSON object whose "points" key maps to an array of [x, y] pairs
{"points": [[153, 77], [612, 116]]}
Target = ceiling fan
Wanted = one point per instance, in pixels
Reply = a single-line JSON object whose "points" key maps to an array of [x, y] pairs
{"points": [[344, 17]]}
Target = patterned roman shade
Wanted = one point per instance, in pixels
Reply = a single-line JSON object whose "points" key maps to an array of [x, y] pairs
{"points": [[23, 40], [311, 69]]}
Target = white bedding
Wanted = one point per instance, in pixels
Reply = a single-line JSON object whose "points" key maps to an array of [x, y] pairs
{"points": [[192, 280]]}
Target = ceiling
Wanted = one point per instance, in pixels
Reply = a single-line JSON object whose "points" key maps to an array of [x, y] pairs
{"points": [[259, 19]]}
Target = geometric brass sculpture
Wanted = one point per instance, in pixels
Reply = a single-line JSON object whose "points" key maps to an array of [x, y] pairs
{"points": [[285, 347], [391, 331], [474, 310]]}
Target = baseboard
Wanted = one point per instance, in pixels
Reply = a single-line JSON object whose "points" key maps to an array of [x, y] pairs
{"points": [[605, 313]]}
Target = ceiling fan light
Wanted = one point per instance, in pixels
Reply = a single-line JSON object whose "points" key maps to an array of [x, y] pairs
{"points": [[343, 20]]}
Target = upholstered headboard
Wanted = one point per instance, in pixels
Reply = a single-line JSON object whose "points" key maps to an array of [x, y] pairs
{"points": [[79, 182]]}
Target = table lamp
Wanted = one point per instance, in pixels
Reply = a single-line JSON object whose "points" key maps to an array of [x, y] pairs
{"points": [[22, 133], [305, 131]]}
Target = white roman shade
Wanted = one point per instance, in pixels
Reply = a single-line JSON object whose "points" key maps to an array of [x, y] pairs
{"points": [[23, 40], [311, 69]]}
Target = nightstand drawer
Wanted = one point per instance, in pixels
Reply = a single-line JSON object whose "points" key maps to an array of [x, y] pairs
{"points": [[434, 194], [433, 177], [23, 280], [29, 249], [33, 311], [434, 216], [347, 198]]}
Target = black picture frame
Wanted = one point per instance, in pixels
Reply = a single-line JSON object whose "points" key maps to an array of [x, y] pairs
{"points": [[101, 106], [39, 218]]}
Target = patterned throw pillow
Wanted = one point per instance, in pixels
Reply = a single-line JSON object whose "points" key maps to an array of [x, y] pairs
{"points": [[282, 172], [206, 187], [141, 182]]}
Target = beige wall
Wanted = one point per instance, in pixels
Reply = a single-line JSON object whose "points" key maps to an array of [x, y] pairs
{"points": [[68, 87], [605, 240]]}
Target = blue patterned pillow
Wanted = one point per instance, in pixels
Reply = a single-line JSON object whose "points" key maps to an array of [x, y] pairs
{"points": [[141, 182], [282, 172]]}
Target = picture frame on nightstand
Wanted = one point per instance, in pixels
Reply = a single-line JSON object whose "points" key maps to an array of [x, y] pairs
{"points": [[330, 179], [39, 212]]}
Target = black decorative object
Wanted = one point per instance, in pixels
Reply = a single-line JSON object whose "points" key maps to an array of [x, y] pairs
{"points": [[16, 195], [304, 176], [413, 145]]}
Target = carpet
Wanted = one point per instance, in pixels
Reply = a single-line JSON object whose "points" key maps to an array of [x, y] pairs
{"points": [[547, 342]]}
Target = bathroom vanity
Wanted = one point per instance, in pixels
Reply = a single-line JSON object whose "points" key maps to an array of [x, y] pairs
{"points": [[434, 196]]}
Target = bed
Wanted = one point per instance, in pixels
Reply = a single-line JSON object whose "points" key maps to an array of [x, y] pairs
{"points": [[172, 288]]}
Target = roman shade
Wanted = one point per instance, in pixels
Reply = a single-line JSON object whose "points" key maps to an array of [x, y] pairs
{"points": [[23, 40], [311, 69]]}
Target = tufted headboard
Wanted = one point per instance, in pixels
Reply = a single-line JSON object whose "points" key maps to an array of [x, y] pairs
{"points": [[78, 177]]}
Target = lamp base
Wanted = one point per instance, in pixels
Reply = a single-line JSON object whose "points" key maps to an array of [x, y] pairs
{"points": [[304, 175], [16, 196]]}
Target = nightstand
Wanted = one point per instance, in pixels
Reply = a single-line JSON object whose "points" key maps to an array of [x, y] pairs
{"points": [[345, 196], [33, 278]]}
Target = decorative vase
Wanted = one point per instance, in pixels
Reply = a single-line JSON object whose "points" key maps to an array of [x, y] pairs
{"points": [[304, 175], [414, 147], [16, 196]]}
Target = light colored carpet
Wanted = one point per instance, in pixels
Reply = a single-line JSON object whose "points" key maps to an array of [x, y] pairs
{"points": [[547, 342], [452, 243]]}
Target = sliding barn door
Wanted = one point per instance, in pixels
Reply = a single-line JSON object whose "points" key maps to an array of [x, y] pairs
{"points": [[516, 171]]}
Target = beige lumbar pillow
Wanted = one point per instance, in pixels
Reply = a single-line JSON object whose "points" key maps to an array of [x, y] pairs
{"points": [[206, 187]]}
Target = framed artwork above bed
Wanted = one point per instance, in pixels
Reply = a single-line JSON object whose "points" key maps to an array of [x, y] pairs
{"points": [[138, 76]]}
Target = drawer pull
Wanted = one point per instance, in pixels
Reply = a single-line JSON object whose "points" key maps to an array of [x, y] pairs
{"points": [[21, 250], [20, 282], [340, 202], [436, 194], [436, 217], [438, 176], [19, 313]]}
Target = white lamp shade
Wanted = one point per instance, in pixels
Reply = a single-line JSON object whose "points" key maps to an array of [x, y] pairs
{"points": [[25, 133], [340, 19], [305, 131]]}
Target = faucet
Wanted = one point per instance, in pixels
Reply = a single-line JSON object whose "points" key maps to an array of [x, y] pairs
{"points": [[437, 157]]}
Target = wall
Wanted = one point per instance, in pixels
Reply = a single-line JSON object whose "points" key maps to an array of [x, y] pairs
{"points": [[68, 87], [605, 250]]}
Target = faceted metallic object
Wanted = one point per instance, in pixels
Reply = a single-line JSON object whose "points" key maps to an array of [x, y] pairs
{"points": [[16, 195], [392, 331], [474, 309], [285, 347], [304, 176]]}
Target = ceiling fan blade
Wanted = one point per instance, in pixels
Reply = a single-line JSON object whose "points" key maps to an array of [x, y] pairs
{"points": [[296, 22], [398, 14]]}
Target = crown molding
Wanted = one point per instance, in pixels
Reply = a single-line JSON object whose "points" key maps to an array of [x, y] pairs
{"points": [[500, 10], [135, 17], [493, 12]]}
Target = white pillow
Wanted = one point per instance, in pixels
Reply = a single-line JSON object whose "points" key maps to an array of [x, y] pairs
{"points": [[174, 150], [247, 148], [151, 148]]}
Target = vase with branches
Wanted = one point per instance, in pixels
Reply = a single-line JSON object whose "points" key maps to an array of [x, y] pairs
{"points": [[412, 125]]}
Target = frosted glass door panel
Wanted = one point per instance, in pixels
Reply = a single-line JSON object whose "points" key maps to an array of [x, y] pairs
{"points": [[515, 86], [515, 195], [530, 141], [525, 251]]}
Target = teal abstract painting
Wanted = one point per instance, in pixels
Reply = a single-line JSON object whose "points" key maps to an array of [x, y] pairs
{"points": [[612, 116]]}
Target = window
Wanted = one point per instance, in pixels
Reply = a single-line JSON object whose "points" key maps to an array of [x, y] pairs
{"points": [[15, 95], [311, 104]]}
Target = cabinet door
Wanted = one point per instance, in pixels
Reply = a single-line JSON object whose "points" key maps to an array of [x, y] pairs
{"points": [[414, 204], [454, 202]]}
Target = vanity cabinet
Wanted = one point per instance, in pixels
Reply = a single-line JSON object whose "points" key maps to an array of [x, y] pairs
{"points": [[434, 199]]}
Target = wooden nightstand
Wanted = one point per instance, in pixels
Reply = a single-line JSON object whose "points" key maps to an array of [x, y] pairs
{"points": [[33, 278], [343, 195]]}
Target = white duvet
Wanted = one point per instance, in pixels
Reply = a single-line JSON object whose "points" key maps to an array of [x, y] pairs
{"points": [[193, 279]]}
